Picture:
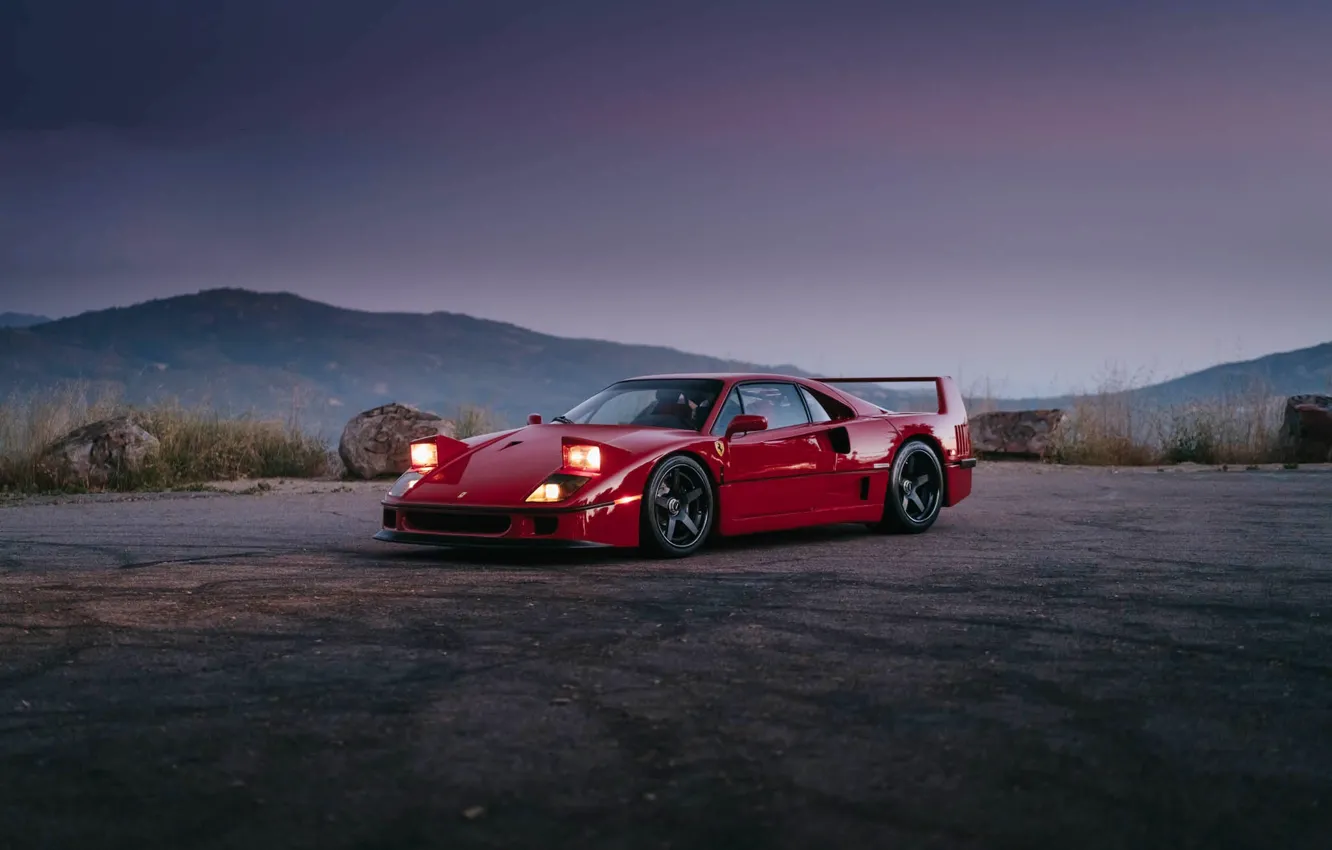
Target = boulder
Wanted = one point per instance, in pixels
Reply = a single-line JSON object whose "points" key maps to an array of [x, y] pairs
{"points": [[1306, 428], [376, 442], [1018, 433], [99, 454]]}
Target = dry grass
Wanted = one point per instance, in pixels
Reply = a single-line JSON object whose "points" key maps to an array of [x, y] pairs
{"points": [[195, 445], [1114, 427], [1109, 426], [980, 397], [201, 446], [471, 420]]}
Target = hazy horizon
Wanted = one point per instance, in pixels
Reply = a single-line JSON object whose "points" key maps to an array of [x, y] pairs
{"points": [[1028, 193]]}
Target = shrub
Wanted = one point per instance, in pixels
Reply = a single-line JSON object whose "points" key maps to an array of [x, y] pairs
{"points": [[202, 446], [471, 420], [196, 446], [1116, 426]]}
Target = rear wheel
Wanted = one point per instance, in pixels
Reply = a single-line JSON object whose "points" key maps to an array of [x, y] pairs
{"points": [[678, 508], [915, 490]]}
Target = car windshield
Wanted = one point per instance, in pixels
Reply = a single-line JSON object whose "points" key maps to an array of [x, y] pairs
{"points": [[657, 403]]}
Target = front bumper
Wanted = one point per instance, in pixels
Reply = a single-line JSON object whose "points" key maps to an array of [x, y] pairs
{"points": [[462, 541], [609, 524]]}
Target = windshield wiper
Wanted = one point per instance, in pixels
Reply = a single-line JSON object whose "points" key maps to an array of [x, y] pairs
{"points": [[566, 420]]}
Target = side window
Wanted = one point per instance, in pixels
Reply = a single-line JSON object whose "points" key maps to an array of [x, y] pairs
{"points": [[731, 409], [816, 410], [780, 403]]}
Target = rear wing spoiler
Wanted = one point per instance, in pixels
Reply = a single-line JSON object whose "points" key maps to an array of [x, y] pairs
{"points": [[949, 397]]}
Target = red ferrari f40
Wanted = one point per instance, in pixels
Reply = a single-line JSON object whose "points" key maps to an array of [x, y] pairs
{"points": [[666, 462]]}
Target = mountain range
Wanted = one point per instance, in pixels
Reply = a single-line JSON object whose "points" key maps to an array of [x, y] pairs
{"points": [[239, 351], [20, 320], [1287, 373]]}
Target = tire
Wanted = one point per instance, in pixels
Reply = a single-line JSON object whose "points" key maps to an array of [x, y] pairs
{"points": [[915, 491], [679, 508]]}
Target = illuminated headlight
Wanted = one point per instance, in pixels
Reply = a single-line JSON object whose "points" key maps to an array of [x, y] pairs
{"points": [[585, 458], [405, 482], [425, 455], [557, 488]]}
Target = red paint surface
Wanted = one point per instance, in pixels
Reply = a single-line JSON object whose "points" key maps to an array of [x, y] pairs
{"points": [[768, 480]]}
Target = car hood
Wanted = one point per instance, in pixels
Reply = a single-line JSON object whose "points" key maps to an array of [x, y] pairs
{"points": [[503, 469]]}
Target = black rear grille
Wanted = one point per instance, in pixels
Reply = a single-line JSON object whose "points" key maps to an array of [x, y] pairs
{"points": [[456, 523]]}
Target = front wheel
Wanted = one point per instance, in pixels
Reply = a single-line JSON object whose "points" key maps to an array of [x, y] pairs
{"points": [[915, 490], [678, 508]]}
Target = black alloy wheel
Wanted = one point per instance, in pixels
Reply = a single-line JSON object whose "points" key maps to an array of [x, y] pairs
{"points": [[678, 508], [915, 490]]}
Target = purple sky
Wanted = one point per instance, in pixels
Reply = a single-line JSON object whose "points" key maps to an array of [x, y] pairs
{"points": [[1024, 191]]}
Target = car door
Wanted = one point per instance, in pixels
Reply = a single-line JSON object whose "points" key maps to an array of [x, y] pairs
{"points": [[775, 471]]}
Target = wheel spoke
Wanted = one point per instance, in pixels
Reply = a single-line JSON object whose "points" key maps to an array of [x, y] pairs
{"points": [[692, 495], [922, 480], [670, 529], [688, 523], [915, 498]]}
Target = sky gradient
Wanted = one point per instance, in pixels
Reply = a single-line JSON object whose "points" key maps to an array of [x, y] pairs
{"points": [[1027, 192]]}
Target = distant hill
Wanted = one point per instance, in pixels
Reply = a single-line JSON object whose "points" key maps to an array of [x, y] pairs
{"points": [[277, 354], [20, 320], [240, 351], [1305, 370]]}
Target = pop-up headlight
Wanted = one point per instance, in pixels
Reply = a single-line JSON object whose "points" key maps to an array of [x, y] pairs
{"points": [[582, 458], [425, 454]]}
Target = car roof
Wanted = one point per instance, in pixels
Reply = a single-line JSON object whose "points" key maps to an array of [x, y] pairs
{"points": [[720, 376], [859, 405]]}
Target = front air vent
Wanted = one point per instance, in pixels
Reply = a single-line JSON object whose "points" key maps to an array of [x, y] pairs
{"points": [[442, 522]]}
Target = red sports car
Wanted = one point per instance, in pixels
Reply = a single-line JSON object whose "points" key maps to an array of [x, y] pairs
{"points": [[665, 462]]}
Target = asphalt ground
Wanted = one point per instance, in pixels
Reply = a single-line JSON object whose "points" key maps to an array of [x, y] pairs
{"points": [[1072, 658]]}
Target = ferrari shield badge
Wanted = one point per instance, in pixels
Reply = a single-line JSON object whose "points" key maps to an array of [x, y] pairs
{"points": [[720, 447]]}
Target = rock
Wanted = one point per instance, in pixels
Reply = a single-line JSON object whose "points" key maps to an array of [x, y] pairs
{"points": [[1306, 428], [1019, 433], [377, 442], [98, 454]]}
